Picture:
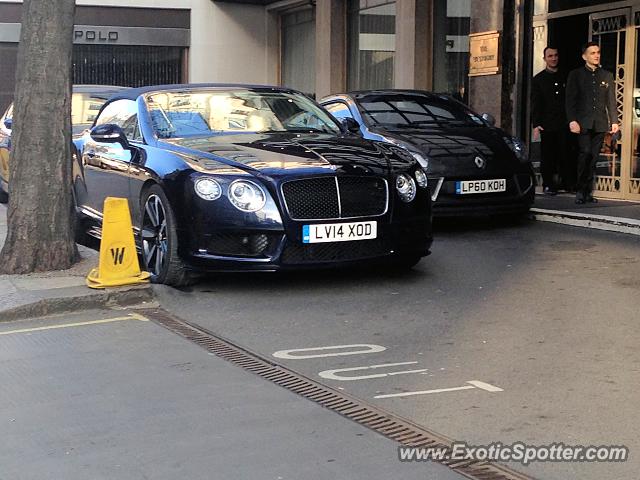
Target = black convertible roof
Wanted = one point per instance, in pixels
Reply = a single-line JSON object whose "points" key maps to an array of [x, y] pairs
{"points": [[134, 93]]}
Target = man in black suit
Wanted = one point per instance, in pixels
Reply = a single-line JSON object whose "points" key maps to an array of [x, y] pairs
{"points": [[591, 112], [550, 121]]}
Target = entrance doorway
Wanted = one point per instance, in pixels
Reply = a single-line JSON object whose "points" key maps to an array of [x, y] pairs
{"points": [[618, 34]]}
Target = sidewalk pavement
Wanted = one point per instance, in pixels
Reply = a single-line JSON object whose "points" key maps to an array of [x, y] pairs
{"points": [[39, 294], [46, 293], [611, 215]]}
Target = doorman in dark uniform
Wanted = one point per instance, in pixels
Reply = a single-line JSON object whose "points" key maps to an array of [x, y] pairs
{"points": [[550, 122], [591, 112]]}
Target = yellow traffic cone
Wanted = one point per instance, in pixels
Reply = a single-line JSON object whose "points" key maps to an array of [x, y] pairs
{"points": [[118, 264]]}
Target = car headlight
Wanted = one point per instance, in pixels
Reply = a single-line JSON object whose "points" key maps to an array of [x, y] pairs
{"points": [[421, 159], [406, 187], [247, 196], [207, 188], [518, 147], [421, 178]]}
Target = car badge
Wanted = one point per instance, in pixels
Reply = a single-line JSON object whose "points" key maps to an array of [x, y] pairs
{"points": [[480, 162]]}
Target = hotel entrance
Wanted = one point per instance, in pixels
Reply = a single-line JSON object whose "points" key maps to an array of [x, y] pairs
{"points": [[617, 31]]}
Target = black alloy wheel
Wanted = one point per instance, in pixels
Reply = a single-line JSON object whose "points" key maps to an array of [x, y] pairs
{"points": [[159, 241]]}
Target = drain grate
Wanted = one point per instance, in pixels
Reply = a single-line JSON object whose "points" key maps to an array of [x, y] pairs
{"points": [[391, 426]]}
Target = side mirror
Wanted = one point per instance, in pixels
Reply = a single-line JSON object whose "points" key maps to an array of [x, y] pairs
{"points": [[487, 117], [109, 133], [8, 123], [350, 125]]}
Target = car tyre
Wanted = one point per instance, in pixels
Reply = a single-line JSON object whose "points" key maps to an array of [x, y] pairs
{"points": [[159, 240]]}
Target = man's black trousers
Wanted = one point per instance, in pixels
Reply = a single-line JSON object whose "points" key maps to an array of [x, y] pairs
{"points": [[555, 158], [589, 146]]}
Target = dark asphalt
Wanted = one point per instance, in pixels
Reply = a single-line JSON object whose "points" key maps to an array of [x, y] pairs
{"points": [[547, 313], [129, 400]]}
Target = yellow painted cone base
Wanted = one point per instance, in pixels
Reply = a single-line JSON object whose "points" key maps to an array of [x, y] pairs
{"points": [[118, 264]]}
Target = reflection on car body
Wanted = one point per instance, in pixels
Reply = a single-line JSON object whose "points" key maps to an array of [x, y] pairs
{"points": [[473, 167], [248, 178], [86, 101]]}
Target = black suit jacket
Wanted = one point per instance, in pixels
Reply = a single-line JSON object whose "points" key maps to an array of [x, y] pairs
{"points": [[591, 99], [548, 100]]}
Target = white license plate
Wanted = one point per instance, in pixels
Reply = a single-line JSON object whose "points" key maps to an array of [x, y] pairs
{"points": [[481, 186], [339, 232]]}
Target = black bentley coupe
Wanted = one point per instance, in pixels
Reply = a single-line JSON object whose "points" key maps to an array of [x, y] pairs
{"points": [[473, 167], [246, 178]]}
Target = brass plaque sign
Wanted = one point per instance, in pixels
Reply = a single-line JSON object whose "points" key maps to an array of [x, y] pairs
{"points": [[484, 53]]}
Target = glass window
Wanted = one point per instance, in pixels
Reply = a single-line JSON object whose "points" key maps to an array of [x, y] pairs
{"points": [[123, 113], [299, 48], [206, 112], [451, 47], [406, 110], [133, 66], [339, 110], [84, 109], [371, 44]]}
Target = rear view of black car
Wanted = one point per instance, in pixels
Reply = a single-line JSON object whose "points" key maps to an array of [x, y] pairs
{"points": [[473, 167]]}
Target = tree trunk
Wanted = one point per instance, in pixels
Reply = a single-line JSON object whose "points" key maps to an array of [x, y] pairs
{"points": [[40, 218]]}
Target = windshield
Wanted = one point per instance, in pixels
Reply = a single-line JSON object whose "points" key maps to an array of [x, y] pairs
{"points": [[206, 112], [415, 111]]}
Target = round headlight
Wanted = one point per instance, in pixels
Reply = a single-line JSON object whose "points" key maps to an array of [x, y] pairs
{"points": [[247, 196], [208, 188], [421, 178], [406, 187]]}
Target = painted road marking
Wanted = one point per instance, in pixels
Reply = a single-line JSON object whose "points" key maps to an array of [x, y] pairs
{"points": [[333, 374], [133, 316], [485, 386], [474, 384], [364, 349]]}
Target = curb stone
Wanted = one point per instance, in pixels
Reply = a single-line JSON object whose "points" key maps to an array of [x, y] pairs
{"points": [[599, 222], [50, 306]]}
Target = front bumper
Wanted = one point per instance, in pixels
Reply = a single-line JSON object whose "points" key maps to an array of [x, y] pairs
{"points": [[517, 199], [271, 250]]}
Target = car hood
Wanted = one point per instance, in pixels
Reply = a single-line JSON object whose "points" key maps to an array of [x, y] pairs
{"points": [[455, 149], [277, 154]]}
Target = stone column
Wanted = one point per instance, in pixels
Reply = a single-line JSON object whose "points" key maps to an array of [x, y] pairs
{"points": [[485, 91], [413, 65], [331, 47], [494, 93]]}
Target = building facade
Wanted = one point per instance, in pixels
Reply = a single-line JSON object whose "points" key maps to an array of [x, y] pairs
{"points": [[326, 46]]}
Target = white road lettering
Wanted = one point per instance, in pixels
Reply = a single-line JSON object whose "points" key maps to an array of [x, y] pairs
{"points": [[356, 349], [485, 386], [333, 374], [473, 384]]}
